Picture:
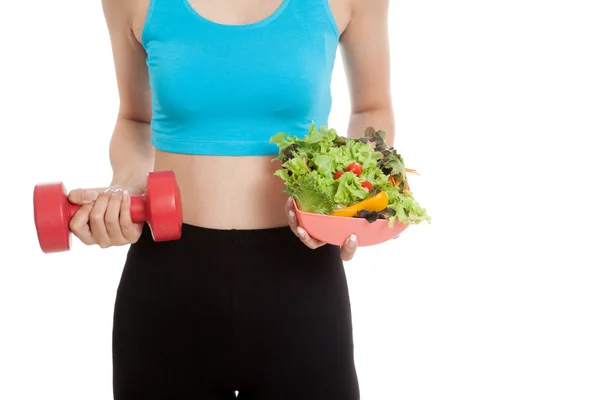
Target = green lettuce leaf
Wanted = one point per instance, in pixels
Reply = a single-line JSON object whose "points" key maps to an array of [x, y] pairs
{"points": [[349, 189], [309, 165], [310, 197]]}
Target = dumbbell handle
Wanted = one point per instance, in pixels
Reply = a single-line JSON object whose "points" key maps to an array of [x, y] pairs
{"points": [[138, 208]]}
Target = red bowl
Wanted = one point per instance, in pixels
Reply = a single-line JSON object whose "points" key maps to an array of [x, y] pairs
{"points": [[335, 230]]}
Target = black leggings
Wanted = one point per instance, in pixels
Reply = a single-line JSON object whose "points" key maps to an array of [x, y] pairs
{"points": [[219, 311]]}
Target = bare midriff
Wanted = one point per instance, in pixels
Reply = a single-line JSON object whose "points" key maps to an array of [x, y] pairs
{"points": [[224, 192]]}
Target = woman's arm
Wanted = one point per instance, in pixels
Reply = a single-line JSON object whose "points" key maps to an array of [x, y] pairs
{"points": [[131, 153], [104, 218], [365, 51]]}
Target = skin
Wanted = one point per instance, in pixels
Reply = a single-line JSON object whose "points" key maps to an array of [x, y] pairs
{"points": [[211, 187]]}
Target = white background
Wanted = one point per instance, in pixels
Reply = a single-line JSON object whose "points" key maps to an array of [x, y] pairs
{"points": [[497, 105]]}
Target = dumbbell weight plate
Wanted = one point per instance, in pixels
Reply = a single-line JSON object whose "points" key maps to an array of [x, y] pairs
{"points": [[163, 206], [51, 213]]}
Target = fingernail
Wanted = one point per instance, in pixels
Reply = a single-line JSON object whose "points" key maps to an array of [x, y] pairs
{"points": [[301, 232], [352, 240], [292, 214], [89, 196], [125, 195]]}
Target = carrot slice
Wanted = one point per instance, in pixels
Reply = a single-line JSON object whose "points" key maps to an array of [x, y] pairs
{"points": [[306, 165]]}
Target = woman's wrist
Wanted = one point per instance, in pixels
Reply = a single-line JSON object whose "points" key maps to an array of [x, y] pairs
{"points": [[130, 182]]}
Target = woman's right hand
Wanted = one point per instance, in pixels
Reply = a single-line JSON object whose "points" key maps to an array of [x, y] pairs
{"points": [[104, 217]]}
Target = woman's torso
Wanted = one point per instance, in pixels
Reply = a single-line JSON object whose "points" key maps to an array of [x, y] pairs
{"points": [[225, 191]]}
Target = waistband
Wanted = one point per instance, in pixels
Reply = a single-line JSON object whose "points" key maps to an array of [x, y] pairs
{"points": [[196, 234]]}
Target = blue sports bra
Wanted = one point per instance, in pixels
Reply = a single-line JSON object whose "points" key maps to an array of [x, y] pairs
{"points": [[226, 89]]}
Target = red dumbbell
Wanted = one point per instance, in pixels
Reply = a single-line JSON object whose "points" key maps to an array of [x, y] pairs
{"points": [[159, 206]]}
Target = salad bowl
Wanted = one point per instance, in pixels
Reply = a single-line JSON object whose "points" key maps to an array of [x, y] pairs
{"points": [[336, 230], [347, 185]]}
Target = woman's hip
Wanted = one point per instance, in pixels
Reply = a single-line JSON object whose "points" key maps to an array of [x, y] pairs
{"points": [[250, 310], [259, 273]]}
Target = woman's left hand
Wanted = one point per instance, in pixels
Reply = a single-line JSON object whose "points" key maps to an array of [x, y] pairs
{"points": [[346, 251]]}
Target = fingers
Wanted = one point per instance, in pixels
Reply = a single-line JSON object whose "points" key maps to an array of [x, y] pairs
{"points": [[298, 231], [288, 204], [291, 216], [80, 227], [97, 224], [104, 217], [112, 218], [307, 240], [130, 230], [348, 250], [82, 196]]}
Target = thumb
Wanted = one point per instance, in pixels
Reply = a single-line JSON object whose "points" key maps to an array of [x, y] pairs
{"points": [[82, 196], [349, 248]]}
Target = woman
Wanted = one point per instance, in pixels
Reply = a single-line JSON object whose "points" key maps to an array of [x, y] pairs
{"points": [[241, 302]]}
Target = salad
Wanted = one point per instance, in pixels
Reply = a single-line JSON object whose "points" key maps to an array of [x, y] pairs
{"points": [[347, 177]]}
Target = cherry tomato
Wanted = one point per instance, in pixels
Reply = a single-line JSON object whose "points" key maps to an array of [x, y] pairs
{"points": [[367, 185], [338, 174], [356, 168]]}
